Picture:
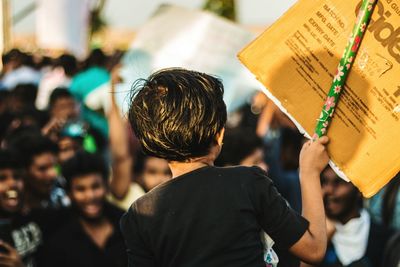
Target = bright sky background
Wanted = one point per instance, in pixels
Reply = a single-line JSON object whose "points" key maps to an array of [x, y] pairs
{"points": [[130, 14]]}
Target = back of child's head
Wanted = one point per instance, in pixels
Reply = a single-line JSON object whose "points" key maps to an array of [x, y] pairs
{"points": [[177, 113], [84, 163]]}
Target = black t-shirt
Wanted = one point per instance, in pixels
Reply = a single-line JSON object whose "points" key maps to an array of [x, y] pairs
{"points": [[71, 246], [24, 234], [209, 217]]}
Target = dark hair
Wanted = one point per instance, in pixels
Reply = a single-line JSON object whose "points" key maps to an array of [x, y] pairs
{"points": [[96, 58], [238, 144], [290, 145], [31, 144], [58, 93], [177, 113], [26, 93], [12, 55], [83, 163], [9, 160], [358, 198], [68, 63]]}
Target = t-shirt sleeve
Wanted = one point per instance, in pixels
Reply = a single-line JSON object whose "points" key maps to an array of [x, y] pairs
{"points": [[139, 255], [284, 225]]}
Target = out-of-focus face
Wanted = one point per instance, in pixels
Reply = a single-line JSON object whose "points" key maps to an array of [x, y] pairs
{"points": [[87, 194], [42, 174], [65, 108], [340, 197], [67, 148], [255, 159], [11, 188], [155, 172]]}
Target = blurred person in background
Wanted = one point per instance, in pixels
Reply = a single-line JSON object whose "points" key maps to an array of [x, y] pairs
{"points": [[282, 142], [124, 189], [151, 171], [6, 116], [242, 147], [68, 129], [60, 75], [354, 239], [385, 205], [284, 168], [38, 155], [22, 97], [62, 105], [392, 255], [20, 235], [89, 235], [18, 69], [88, 85]]}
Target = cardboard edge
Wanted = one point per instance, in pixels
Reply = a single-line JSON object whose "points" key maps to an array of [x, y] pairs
{"points": [[380, 184], [336, 168]]}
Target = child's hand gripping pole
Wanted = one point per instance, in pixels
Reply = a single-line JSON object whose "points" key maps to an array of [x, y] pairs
{"points": [[344, 67]]}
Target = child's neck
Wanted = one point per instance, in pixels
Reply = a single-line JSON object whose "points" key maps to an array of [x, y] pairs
{"points": [[181, 168]]}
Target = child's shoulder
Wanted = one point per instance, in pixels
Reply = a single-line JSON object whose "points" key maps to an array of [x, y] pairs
{"points": [[243, 171]]}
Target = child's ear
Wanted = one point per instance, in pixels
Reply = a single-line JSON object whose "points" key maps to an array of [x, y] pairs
{"points": [[220, 136]]}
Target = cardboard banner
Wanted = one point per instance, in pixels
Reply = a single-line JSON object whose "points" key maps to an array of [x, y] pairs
{"points": [[296, 59]]}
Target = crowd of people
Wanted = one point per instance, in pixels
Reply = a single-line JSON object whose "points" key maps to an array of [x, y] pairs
{"points": [[71, 166]]}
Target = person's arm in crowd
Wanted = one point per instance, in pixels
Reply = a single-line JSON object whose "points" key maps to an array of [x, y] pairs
{"points": [[121, 157], [9, 256], [312, 245], [265, 118], [53, 128]]}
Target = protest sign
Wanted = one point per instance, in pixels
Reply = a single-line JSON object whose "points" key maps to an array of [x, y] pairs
{"points": [[296, 60]]}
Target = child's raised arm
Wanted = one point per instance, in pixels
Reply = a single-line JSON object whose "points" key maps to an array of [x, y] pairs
{"points": [[311, 247]]}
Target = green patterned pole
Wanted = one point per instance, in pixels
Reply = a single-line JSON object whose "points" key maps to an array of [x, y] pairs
{"points": [[344, 67]]}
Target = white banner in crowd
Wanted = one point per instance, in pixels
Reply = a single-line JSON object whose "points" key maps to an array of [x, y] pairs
{"points": [[179, 37], [63, 25]]}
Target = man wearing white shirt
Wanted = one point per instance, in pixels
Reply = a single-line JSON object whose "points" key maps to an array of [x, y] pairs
{"points": [[354, 239]]}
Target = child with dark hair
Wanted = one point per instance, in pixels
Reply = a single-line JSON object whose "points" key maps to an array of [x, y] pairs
{"points": [[205, 215], [90, 232]]}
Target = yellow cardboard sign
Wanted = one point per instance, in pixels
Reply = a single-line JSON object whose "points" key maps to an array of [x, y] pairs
{"points": [[296, 60]]}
